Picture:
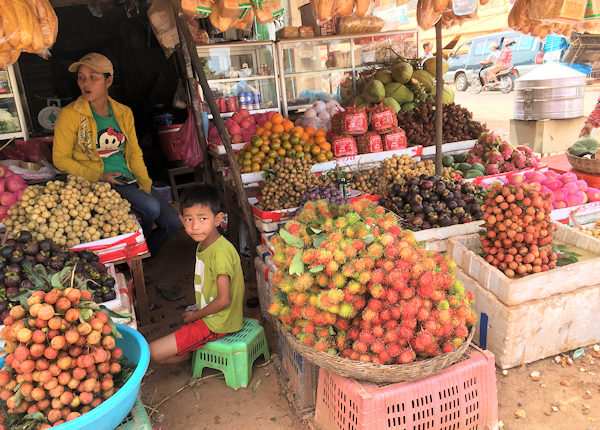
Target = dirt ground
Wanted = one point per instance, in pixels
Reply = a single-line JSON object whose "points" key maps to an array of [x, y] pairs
{"points": [[574, 391]]}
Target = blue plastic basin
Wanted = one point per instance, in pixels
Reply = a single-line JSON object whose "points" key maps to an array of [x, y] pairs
{"points": [[113, 411]]}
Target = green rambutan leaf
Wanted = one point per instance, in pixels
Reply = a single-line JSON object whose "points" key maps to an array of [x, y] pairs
{"points": [[317, 269], [318, 240], [368, 239], [290, 239], [297, 266]]}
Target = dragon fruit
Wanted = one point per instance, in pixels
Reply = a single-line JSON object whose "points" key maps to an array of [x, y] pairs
{"points": [[492, 169], [519, 159], [494, 157], [506, 150]]}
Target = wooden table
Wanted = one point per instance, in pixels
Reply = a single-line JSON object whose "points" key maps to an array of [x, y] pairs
{"points": [[139, 285]]}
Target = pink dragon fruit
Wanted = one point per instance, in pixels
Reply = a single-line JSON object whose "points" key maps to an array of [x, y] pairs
{"points": [[494, 157], [473, 158], [519, 159], [492, 169], [526, 149], [506, 150], [507, 166]]}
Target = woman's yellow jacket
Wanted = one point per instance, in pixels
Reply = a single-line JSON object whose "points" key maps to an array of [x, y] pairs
{"points": [[74, 148]]}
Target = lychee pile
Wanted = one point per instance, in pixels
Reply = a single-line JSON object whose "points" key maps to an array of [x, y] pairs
{"points": [[351, 282], [518, 235], [62, 360]]}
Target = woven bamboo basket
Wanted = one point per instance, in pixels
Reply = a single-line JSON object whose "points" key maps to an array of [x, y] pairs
{"points": [[378, 372], [586, 165]]}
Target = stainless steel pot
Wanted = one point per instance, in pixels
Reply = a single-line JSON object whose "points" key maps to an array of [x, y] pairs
{"points": [[551, 91]]}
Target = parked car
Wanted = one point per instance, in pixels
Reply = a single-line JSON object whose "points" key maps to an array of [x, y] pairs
{"points": [[464, 61]]}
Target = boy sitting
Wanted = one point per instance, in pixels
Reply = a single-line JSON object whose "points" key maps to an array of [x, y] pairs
{"points": [[218, 281]]}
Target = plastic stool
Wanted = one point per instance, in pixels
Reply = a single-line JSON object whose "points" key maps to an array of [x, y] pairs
{"points": [[233, 354]]}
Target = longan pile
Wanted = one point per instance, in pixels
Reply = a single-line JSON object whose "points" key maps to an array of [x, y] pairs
{"points": [[284, 188], [71, 213], [394, 170]]}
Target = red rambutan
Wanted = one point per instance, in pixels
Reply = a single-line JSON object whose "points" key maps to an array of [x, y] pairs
{"points": [[448, 347], [366, 337], [388, 265], [353, 333], [391, 336], [385, 314], [423, 314], [391, 324], [392, 296], [405, 332], [384, 356], [378, 331], [375, 305], [377, 346], [406, 356], [393, 349], [376, 290], [331, 268], [396, 312], [407, 293]]}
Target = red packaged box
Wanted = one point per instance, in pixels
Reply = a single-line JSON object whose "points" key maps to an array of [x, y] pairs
{"points": [[369, 142], [344, 145], [383, 119], [352, 121], [395, 139]]}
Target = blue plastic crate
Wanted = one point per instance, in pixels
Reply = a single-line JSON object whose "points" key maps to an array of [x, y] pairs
{"points": [[302, 375]]}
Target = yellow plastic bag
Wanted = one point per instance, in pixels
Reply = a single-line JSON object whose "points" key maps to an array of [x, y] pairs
{"points": [[196, 8], [567, 11], [267, 10]]}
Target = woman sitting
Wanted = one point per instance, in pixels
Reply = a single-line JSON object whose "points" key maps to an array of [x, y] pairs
{"points": [[95, 138]]}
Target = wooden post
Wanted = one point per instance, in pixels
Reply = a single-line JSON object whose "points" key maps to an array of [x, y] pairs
{"points": [[439, 91], [234, 170]]}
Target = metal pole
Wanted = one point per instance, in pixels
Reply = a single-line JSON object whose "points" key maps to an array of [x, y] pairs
{"points": [[439, 90]]}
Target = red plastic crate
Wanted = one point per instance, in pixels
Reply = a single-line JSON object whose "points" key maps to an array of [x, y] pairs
{"points": [[461, 397]]}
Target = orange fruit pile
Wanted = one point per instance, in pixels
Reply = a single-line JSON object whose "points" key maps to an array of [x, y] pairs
{"points": [[278, 138]]}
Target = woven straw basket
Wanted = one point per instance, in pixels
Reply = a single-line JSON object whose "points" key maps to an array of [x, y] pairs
{"points": [[586, 165], [378, 372]]}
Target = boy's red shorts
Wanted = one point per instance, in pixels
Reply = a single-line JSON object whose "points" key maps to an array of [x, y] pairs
{"points": [[194, 336]]}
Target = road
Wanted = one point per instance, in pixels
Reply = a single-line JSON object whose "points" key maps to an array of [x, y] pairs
{"points": [[496, 109]]}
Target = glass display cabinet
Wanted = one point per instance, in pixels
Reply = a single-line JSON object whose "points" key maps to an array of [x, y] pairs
{"points": [[324, 67], [12, 117], [242, 75]]}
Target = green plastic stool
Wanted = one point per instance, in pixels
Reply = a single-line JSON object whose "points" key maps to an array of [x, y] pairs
{"points": [[233, 354]]}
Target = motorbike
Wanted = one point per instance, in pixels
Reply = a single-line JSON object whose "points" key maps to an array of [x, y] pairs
{"points": [[504, 81]]}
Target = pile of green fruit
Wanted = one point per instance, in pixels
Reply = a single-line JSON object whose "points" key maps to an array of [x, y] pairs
{"points": [[458, 163], [402, 86]]}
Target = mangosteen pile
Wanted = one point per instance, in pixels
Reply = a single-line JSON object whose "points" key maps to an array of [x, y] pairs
{"points": [[425, 202], [15, 254]]}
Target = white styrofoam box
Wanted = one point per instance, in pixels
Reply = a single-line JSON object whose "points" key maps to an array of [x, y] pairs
{"points": [[535, 329], [463, 250], [436, 238]]}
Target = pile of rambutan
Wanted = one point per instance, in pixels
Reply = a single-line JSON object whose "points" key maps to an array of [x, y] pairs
{"points": [[351, 282]]}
